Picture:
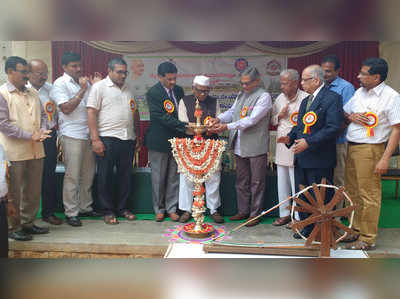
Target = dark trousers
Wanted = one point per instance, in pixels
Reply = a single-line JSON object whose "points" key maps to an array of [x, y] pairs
{"points": [[3, 230], [49, 182], [250, 184], [119, 154], [306, 177]]}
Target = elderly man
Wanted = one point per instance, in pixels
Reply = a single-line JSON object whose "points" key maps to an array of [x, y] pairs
{"points": [[331, 66], [284, 115], [38, 75], [248, 121], [210, 107], [113, 120], [70, 92], [374, 116], [162, 100], [23, 127], [320, 119]]}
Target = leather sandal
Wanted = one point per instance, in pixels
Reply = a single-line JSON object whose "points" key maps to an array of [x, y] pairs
{"points": [[359, 245], [128, 215], [350, 238], [110, 219], [281, 221]]}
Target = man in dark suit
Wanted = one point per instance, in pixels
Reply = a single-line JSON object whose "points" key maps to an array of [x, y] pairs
{"points": [[319, 122], [163, 99]]}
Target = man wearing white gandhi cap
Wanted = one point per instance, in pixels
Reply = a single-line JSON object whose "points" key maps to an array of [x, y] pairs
{"points": [[210, 107]]}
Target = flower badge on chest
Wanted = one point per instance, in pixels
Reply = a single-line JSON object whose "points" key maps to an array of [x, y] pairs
{"points": [[243, 113], [372, 123], [293, 118], [169, 106], [309, 119], [50, 109]]}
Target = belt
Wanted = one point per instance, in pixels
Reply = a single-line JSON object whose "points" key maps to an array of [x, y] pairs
{"points": [[356, 143]]}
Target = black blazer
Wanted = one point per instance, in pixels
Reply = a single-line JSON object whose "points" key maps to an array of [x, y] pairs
{"points": [[163, 125], [321, 152]]}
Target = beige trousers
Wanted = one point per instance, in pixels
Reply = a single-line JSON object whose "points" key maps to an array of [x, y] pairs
{"points": [[79, 164], [364, 188], [25, 189], [338, 173]]}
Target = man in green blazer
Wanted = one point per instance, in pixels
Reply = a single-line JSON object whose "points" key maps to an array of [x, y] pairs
{"points": [[163, 99]]}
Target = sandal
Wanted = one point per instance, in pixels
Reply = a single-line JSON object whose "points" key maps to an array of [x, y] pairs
{"points": [[281, 221], [128, 215], [359, 245], [350, 238], [110, 219]]}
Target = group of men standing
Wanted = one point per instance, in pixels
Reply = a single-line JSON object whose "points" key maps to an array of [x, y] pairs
{"points": [[98, 123]]}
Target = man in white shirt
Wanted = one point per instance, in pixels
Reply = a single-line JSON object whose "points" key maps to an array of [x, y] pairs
{"points": [[70, 92], [38, 75], [210, 108], [284, 115], [374, 116], [113, 120], [248, 122]]}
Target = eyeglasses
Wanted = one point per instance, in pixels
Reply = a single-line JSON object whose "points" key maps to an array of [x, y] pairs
{"points": [[41, 74], [122, 73], [246, 83], [204, 91], [23, 72], [364, 74], [306, 79]]}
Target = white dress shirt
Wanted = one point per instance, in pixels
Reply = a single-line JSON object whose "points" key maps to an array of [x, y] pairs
{"points": [[73, 125], [44, 95], [382, 100]]}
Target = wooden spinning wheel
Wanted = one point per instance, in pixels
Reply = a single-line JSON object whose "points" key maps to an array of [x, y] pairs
{"points": [[327, 230]]}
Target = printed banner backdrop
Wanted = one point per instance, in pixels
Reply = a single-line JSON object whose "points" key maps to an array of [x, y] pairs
{"points": [[224, 72]]}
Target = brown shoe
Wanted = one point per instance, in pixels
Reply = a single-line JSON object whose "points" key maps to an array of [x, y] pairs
{"points": [[160, 217], [281, 221], [217, 218], [53, 220], [173, 216], [185, 217], [238, 217], [290, 224], [253, 223]]}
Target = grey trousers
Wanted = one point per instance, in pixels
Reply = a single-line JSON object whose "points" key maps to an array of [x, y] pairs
{"points": [[25, 189], [79, 164], [250, 184], [164, 182]]}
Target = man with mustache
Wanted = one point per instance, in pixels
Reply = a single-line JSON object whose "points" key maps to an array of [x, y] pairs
{"points": [[23, 126], [38, 75], [70, 92]]}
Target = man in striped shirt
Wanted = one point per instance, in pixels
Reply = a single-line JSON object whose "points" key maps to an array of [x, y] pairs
{"points": [[374, 118]]}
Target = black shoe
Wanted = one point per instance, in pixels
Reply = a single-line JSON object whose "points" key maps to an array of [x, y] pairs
{"points": [[297, 235], [90, 214], [73, 221], [35, 230], [20, 236]]}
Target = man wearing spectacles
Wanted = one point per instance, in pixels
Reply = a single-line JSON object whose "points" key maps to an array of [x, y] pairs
{"points": [[113, 120], [248, 122], [374, 116], [23, 127], [313, 140], [210, 108]]}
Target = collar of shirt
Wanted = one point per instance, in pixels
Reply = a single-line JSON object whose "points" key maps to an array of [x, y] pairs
{"points": [[315, 93], [12, 88], [68, 78], [110, 83], [378, 89], [46, 86], [335, 82]]}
